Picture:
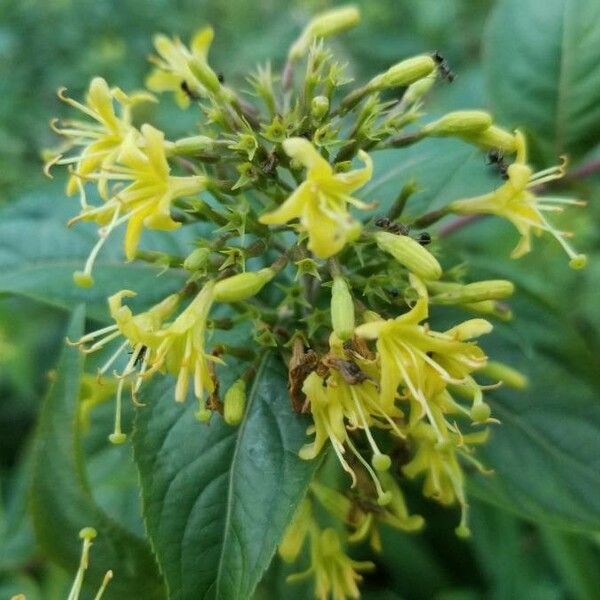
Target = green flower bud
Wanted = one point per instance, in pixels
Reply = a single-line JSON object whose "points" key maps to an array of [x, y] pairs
{"points": [[196, 260], [328, 23], [235, 403], [495, 289], [342, 309], [242, 286], [493, 138], [417, 90], [410, 253], [319, 107], [403, 73], [459, 122], [507, 375], [191, 145]]}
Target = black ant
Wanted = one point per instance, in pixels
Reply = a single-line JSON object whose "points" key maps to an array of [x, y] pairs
{"points": [[221, 77], [391, 227], [140, 355], [424, 238], [496, 157], [188, 92], [442, 64]]}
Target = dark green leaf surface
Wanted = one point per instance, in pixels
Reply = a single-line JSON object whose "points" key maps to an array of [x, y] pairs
{"points": [[542, 70], [38, 255], [217, 498], [61, 500]]}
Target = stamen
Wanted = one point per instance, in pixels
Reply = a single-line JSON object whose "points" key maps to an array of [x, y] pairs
{"points": [[105, 582], [117, 436], [101, 343], [376, 451], [90, 336], [112, 359], [87, 534], [383, 497]]}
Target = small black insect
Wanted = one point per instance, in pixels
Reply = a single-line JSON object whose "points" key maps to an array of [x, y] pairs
{"points": [[496, 158], [391, 227], [424, 238], [382, 222], [445, 70], [188, 92], [140, 356], [221, 77]]}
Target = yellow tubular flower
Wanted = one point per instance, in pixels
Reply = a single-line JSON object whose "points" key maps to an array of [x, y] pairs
{"points": [[146, 200], [336, 575], [444, 477], [99, 140], [410, 353], [516, 201], [321, 202]]}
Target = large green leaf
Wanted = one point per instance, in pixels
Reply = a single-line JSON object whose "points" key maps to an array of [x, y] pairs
{"points": [[38, 255], [217, 498], [542, 70], [62, 503]]}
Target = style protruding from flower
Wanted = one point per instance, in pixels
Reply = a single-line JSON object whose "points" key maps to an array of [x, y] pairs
{"points": [[321, 201], [517, 201]]}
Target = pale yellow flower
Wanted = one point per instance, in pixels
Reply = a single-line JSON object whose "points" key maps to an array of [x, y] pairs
{"points": [[321, 202], [516, 201]]}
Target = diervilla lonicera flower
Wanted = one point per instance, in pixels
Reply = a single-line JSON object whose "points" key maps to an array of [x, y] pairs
{"points": [[263, 226]]}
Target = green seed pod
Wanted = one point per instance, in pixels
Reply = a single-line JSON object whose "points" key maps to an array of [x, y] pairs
{"points": [[403, 73], [242, 286], [197, 259], [459, 122], [235, 403], [410, 253], [342, 309]]}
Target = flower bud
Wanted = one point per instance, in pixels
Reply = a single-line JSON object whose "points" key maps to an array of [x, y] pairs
{"points": [[495, 289], [242, 286], [410, 253], [235, 403], [459, 122], [403, 73], [507, 375], [494, 138], [342, 309], [319, 107], [327, 23], [417, 90], [473, 328], [207, 77], [490, 307], [295, 533], [196, 260], [192, 145]]}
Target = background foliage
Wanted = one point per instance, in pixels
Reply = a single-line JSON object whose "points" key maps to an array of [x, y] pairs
{"points": [[536, 523]]}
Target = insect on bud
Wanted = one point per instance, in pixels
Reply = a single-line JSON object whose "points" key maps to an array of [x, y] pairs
{"points": [[403, 73], [196, 260], [319, 107], [410, 253], [328, 23], [459, 122], [342, 309], [242, 286], [235, 403]]}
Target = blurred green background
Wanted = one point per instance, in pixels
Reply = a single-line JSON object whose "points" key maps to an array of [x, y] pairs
{"points": [[513, 553]]}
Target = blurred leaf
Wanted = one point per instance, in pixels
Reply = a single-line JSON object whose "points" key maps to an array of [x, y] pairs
{"points": [[217, 498], [11, 585], [38, 256], [542, 70], [61, 500]]}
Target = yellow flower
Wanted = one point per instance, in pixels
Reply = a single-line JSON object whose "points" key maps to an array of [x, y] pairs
{"points": [[336, 575], [138, 332], [321, 202], [184, 70], [444, 477], [516, 201], [145, 201], [99, 140], [413, 356]]}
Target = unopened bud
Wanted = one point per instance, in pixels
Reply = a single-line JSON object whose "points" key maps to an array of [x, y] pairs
{"points": [[507, 375], [197, 259], [319, 107], [417, 90], [495, 289], [242, 286], [490, 307], [192, 145], [459, 122], [494, 138], [403, 73], [473, 328], [342, 309], [410, 253], [324, 25], [234, 403]]}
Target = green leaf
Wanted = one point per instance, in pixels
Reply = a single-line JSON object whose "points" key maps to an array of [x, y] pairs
{"points": [[542, 70], [38, 255], [62, 503], [217, 498]]}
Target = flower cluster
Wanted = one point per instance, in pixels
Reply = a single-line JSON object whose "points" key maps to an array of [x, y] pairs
{"points": [[295, 252]]}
